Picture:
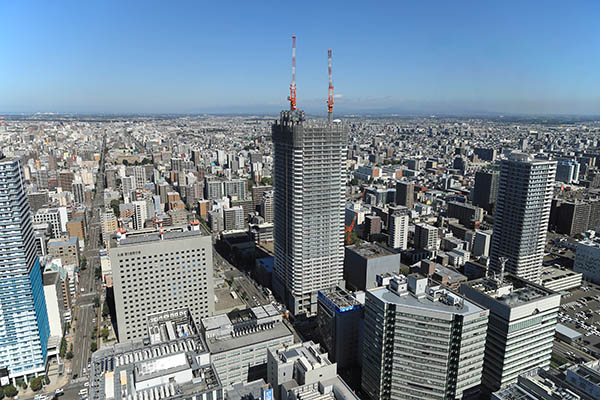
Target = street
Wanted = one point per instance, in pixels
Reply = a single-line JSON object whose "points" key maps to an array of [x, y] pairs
{"points": [[87, 280]]}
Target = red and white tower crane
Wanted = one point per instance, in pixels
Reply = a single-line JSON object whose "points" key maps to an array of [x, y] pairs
{"points": [[330, 92], [292, 96]]}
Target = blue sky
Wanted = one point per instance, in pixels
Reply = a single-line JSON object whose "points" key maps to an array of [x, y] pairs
{"points": [[540, 57]]}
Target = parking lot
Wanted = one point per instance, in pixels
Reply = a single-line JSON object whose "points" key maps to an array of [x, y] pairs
{"points": [[580, 310]]}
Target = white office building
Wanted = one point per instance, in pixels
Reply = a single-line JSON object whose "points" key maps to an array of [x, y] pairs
{"points": [[520, 335], [155, 272]]}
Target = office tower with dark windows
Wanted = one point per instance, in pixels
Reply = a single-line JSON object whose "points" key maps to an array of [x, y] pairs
{"points": [[525, 190], [24, 327], [309, 208], [421, 342], [405, 193], [485, 190], [154, 272]]}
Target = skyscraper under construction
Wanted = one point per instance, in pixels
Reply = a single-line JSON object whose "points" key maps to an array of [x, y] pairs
{"points": [[309, 206]]}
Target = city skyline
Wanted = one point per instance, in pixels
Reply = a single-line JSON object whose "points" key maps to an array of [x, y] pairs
{"points": [[456, 59]]}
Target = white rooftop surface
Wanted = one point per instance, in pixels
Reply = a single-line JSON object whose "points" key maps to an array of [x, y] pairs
{"points": [[162, 364]]}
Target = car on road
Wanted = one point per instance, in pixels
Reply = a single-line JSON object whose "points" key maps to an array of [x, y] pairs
{"points": [[59, 392], [82, 290]]}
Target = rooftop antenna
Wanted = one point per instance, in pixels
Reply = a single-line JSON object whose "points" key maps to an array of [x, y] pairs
{"points": [[503, 261], [292, 96], [330, 92]]}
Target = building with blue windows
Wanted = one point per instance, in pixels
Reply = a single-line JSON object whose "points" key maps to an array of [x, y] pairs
{"points": [[24, 327]]}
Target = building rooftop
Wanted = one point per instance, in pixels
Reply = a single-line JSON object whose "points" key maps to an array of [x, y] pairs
{"points": [[370, 250], [153, 235], [311, 355], [550, 274], [147, 368], [71, 241], [236, 329], [339, 298], [510, 290], [434, 298], [49, 278]]}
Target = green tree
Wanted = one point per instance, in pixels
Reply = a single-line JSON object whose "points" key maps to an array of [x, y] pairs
{"points": [[69, 355], [105, 310], [46, 380], [10, 391], [93, 346], [24, 385], [114, 204], [96, 301], [267, 180], [104, 333], [354, 239], [83, 264], [35, 384], [98, 272], [125, 163], [63, 347]]}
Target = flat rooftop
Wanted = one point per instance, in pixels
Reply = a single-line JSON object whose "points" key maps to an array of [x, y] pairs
{"points": [[154, 236], [370, 250], [550, 274], [510, 290], [426, 302], [279, 330], [339, 298]]}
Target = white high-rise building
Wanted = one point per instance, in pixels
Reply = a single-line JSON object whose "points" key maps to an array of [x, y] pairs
{"points": [[140, 214], [139, 173], [525, 190], [154, 273], [398, 231], [309, 208], [520, 334], [128, 186]]}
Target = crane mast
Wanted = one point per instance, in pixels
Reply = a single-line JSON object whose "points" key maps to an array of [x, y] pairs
{"points": [[292, 96], [330, 91]]}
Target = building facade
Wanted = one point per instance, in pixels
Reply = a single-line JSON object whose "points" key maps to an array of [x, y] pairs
{"points": [[24, 330], [309, 208], [398, 230], [523, 319], [525, 192], [421, 342], [485, 190], [153, 272]]}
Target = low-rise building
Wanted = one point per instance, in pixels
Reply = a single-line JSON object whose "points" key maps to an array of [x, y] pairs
{"points": [[560, 279], [364, 261], [238, 341], [66, 250], [171, 363], [303, 371]]}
